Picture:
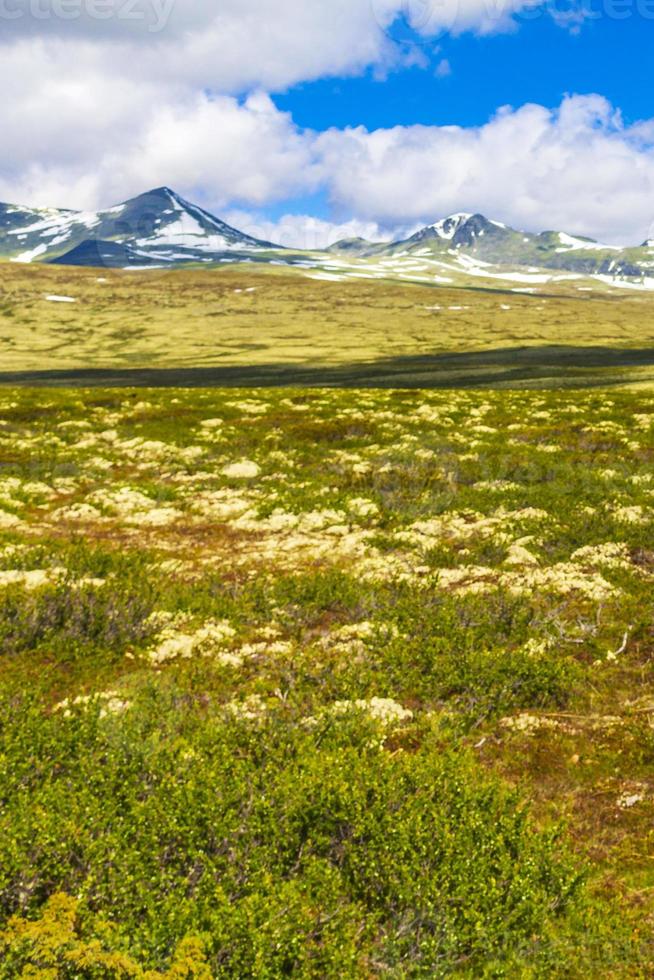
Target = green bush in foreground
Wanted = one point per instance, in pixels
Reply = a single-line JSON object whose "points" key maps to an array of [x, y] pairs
{"points": [[292, 850]]}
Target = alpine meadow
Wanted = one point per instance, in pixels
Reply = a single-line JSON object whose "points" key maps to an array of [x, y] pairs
{"points": [[326, 490]]}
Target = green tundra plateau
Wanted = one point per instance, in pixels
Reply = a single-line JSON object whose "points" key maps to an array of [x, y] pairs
{"points": [[309, 668], [261, 325]]}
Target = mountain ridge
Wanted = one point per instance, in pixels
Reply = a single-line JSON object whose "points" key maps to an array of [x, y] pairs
{"points": [[160, 228], [496, 243]]}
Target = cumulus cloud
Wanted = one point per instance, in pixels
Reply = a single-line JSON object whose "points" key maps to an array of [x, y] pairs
{"points": [[234, 45], [218, 150], [577, 168], [95, 99], [230, 47], [241, 151], [430, 18], [304, 231]]}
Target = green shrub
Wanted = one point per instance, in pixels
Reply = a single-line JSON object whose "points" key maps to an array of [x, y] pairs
{"points": [[294, 857], [71, 620]]}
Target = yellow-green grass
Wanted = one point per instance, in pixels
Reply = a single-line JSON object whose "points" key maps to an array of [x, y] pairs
{"points": [[270, 325]]}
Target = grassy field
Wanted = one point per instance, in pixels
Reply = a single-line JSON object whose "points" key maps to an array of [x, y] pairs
{"points": [[263, 325], [326, 683]]}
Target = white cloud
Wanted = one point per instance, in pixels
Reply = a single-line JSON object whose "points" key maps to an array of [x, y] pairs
{"points": [[306, 232], [235, 45], [232, 46], [577, 168], [96, 108], [238, 152], [218, 150], [430, 18]]}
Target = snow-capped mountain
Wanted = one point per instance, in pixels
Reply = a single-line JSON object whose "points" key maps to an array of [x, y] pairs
{"points": [[473, 240], [458, 229], [158, 227], [162, 229]]}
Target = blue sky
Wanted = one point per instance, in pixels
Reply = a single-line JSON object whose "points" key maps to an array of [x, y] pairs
{"points": [[539, 62], [303, 121]]}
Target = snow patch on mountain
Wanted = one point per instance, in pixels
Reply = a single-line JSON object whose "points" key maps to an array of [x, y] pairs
{"points": [[570, 243], [185, 232], [27, 257]]}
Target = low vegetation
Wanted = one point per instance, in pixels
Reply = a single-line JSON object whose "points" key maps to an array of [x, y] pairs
{"points": [[263, 325], [326, 684]]}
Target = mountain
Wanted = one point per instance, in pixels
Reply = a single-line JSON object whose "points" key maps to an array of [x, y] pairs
{"points": [[162, 229], [356, 246], [474, 243], [157, 227], [460, 230]]}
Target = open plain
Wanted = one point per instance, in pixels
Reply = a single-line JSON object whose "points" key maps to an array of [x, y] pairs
{"points": [[261, 325]]}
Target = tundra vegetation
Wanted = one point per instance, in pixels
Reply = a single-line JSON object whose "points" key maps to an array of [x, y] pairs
{"points": [[326, 683], [281, 326]]}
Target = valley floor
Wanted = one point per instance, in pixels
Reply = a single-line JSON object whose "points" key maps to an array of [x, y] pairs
{"points": [[250, 325], [326, 683]]}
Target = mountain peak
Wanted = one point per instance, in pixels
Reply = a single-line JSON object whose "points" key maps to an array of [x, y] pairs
{"points": [[163, 218], [155, 198], [462, 228], [165, 192], [448, 227], [356, 246]]}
